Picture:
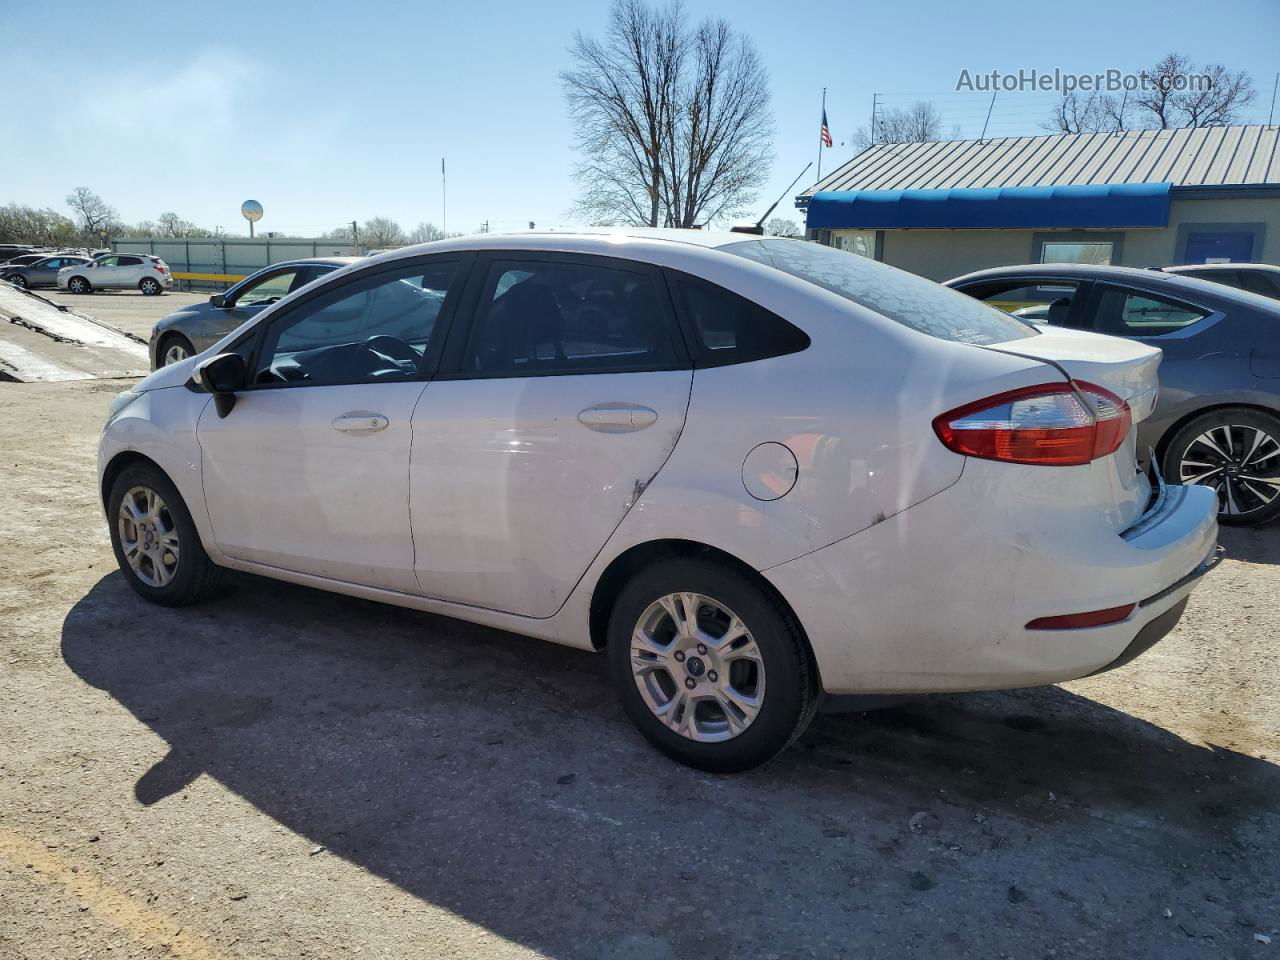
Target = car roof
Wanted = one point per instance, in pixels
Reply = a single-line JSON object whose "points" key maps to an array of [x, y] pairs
{"points": [[1215, 267], [1173, 283], [596, 239]]}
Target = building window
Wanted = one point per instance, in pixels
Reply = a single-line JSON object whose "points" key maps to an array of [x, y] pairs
{"points": [[861, 242], [1096, 252]]}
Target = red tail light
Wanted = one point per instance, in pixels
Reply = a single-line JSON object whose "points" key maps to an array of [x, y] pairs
{"points": [[1052, 424]]}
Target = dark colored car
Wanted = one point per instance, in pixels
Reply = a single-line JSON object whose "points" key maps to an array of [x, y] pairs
{"points": [[1217, 421], [40, 272], [194, 329], [10, 250], [1260, 278]]}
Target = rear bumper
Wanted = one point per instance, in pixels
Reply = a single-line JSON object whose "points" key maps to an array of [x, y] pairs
{"points": [[938, 597]]}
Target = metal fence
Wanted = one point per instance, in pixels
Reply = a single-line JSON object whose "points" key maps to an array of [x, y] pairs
{"points": [[221, 261]]}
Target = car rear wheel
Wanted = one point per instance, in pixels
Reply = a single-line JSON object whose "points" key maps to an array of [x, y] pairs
{"points": [[708, 665], [155, 540], [1236, 452], [18, 280], [173, 348], [149, 286], [79, 285]]}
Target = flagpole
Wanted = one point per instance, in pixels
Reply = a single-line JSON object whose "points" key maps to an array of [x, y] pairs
{"points": [[444, 200], [824, 117]]}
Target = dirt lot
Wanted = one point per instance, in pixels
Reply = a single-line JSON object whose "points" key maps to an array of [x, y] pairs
{"points": [[285, 774]]}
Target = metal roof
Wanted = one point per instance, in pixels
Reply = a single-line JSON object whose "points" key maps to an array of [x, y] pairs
{"points": [[1185, 157]]}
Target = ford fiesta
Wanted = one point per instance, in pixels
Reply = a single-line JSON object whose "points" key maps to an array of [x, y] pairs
{"points": [[754, 472]]}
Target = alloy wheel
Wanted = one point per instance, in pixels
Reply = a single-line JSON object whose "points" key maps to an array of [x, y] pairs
{"points": [[697, 667], [173, 354], [150, 287], [148, 536], [1240, 462]]}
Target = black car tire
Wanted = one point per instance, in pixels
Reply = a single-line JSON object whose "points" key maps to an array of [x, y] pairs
{"points": [[150, 287], [167, 343], [790, 693], [19, 281], [195, 576], [79, 285], [1239, 433]]}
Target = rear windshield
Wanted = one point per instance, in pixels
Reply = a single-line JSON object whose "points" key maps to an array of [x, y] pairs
{"points": [[910, 300]]}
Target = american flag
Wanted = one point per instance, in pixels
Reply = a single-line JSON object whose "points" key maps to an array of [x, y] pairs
{"points": [[826, 131]]}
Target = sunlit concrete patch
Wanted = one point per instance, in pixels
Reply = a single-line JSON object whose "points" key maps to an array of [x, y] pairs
{"points": [[39, 342], [19, 363]]}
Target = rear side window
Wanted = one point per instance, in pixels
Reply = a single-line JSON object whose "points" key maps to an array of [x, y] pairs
{"points": [[1042, 301], [545, 318], [1132, 313], [910, 300], [129, 261], [1256, 281], [732, 329]]}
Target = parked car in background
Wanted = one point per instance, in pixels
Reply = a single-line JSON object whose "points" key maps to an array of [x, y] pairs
{"points": [[1262, 278], [752, 470], [9, 251], [193, 329], [1218, 419], [22, 259], [118, 271], [41, 272]]}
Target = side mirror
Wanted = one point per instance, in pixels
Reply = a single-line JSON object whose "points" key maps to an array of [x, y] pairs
{"points": [[222, 376], [218, 300]]}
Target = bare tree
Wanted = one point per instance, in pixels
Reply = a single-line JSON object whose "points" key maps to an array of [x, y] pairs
{"points": [[674, 124], [381, 232], [1172, 96], [781, 227], [95, 217], [20, 224], [918, 123], [342, 233], [425, 232]]}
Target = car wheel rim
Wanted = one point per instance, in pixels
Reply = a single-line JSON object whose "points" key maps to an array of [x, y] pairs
{"points": [[697, 667], [149, 286], [148, 536], [1241, 463], [175, 353]]}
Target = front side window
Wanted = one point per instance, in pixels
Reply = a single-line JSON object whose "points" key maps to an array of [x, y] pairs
{"points": [[380, 328], [1131, 313], [267, 290], [1044, 301], [51, 264], [539, 318], [106, 262], [1098, 252], [1256, 281], [900, 296]]}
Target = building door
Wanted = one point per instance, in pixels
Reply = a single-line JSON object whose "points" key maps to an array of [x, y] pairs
{"points": [[1219, 247]]}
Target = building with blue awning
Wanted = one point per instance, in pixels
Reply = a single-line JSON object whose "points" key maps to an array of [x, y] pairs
{"points": [[1134, 198]]}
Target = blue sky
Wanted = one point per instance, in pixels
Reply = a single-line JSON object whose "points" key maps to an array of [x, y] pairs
{"points": [[325, 112]]}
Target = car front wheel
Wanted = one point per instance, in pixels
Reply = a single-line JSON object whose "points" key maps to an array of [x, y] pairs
{"points": [[155, 540], [79, 285], [174, 348], [709, 666], [18, 280], [1236, 452]]}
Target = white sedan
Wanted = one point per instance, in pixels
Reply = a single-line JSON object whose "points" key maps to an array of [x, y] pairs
{"points": [[756, 472]]}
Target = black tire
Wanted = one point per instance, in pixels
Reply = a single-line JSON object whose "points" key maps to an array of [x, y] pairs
{"points": [[790, 693], [194, 577], [19, 281], [79, 285], [1233, 431], [167, 343], [150, 287]]}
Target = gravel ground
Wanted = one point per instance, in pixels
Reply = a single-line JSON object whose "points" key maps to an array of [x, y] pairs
{"points": [[283, 773]]}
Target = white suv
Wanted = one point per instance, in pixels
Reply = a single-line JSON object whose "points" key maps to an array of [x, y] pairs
{"points": [[149, 274]]}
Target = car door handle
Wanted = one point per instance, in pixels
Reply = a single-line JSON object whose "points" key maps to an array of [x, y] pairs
{"points": [[361, 422], [617, 417]]}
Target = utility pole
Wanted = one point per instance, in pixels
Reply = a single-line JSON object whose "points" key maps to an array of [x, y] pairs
{"points": [[875, 99], [444, 200], [990, 107], [355, 239], [1274, 87]]}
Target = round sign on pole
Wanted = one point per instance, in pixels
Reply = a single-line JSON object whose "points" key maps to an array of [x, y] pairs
{"points": [[251, 210]]}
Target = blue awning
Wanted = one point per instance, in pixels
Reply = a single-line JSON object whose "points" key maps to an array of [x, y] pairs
{"points": [[985, 208]]}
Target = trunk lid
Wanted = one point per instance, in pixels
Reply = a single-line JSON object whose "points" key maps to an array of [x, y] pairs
{"points": [[1126, 368]]}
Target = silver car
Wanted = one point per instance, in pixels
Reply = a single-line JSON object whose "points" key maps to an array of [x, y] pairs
{"points": [[41, 272], [194, 329]]}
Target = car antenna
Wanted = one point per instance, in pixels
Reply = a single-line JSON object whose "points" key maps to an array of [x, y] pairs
{"points": [[758, 227]]}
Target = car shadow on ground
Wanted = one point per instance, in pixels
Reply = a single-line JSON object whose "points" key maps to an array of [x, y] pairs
{"points": [[496, 777], [1252, 544]]}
